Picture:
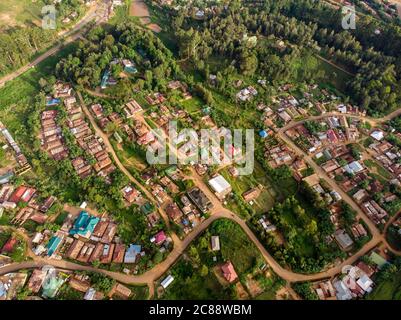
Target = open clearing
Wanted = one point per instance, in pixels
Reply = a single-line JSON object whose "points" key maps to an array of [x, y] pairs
{"points": [[138, 8], [18, 12]]}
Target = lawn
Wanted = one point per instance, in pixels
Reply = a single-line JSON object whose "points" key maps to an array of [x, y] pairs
{"points": [[139, 292], [192, 106], [4, 160], [371, 164]]}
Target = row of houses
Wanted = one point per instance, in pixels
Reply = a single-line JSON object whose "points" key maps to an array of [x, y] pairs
{"points": [[23, 165], [88, 141], [34, 209], [355, 281], [385, 152], [88, 239], [51, 136]]}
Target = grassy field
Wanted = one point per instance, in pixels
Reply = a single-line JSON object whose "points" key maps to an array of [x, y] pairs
{"points": [[371, 164], [243, 183], [131, 158], [21, 89], [17, 94], [197, 274], [19, 12], [387, 290], [335, 76]]}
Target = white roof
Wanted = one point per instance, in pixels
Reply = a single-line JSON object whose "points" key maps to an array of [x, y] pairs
{"points": [[166, 282], [378, 135], [219, 184], [353, 167], [365, 282], [343, 293], [215, 243]]}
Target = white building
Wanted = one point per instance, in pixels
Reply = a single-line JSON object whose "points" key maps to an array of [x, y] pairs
{"points": [[220, 186], [167, 281]]}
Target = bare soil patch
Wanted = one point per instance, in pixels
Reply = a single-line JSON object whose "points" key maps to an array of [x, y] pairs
{"points": [[139, 9], [145, 20], [154, 27]]}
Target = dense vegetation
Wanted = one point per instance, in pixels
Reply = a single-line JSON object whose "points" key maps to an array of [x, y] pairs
{"points": [[306, 27], [20, 43], [305, 226]]}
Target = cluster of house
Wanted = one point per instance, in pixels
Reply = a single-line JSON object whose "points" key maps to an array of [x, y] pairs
{"points": [[353, 174], [278, 154], [127, 65], [47, 282], [71, 17], [88, 239], [85, 137], [23, 165], [332, 199], [385, 152], [288, 108], [333, 131], [247, 94], [10, 284], [339, 163], [51, 136], [34, 208], [188, 216], [138, 132], [182, 87], [355, 281]]}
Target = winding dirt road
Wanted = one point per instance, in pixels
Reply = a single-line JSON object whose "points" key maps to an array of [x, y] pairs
{"points": [[218, 212]]}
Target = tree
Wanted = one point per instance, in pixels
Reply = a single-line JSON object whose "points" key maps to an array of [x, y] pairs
{"points": [[204, 271]]}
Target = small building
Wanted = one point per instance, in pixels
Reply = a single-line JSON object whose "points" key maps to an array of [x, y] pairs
{"points": [[167, 281], [228, 272], [84, 225], [174, 212], [220, 186], [251, 194], [131, 253], [9, 245], [122, 291], [215, 241], [377, 135], [159, 238], [353, 167], [52, 245], [36, 280], [343, 239], [200, 199]]}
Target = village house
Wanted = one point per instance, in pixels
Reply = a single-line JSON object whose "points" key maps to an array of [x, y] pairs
{"points": [[174, 212], [228, 272]]}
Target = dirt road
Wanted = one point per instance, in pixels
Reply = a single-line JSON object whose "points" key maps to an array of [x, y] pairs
{"points": [[96, 12]]}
